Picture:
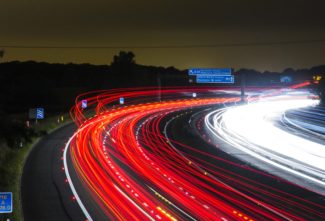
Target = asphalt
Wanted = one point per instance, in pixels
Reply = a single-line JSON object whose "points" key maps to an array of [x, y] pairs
{"points": [[180, 129], [44, 193], [46, 196]]}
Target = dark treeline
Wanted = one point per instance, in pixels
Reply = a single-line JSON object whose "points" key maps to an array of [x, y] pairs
{"points": [[31, 84], [54, 87]]}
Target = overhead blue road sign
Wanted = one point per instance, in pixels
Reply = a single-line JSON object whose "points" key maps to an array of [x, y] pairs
{"points": [[209, 71], [6, 202], [84, 104], [39, 113], [215, 79], [121, 100]]}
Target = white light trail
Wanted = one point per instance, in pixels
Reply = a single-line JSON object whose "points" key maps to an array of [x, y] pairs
{"points": [[251, 128]]}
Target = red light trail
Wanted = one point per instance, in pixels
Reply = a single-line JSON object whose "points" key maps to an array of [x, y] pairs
{"points": [[133, 171]]}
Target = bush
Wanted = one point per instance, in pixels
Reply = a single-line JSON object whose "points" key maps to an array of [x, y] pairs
{"points": [[14, 132]]}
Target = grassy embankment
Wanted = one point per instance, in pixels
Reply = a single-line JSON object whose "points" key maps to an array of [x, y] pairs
{"points": [[12, 162]]}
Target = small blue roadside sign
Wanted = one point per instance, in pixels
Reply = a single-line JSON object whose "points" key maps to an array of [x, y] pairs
{"points": [[286, 79], [210, 71], [39, 113], [84, 104], [6, 202], [121, 100], [215, 79]]}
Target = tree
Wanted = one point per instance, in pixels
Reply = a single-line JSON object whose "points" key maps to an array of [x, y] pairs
{"points": [[124, 58], [2, 52], [288, 71], [321, 90]]}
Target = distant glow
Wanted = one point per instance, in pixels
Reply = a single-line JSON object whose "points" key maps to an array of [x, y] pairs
{"points": [[317, 77]]}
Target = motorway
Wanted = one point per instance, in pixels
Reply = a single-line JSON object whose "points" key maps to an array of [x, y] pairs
{"points": [[44, 193], [155, 159], [254, 130]]}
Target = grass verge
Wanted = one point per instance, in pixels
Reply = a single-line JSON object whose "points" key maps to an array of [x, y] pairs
{"points": [[12, 163]]}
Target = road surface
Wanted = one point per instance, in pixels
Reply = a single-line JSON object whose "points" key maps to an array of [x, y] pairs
{"points": [[44, 194], [149, 160]]}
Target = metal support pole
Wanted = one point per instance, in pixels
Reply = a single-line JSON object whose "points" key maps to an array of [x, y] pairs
{"points": [[242, 86]]}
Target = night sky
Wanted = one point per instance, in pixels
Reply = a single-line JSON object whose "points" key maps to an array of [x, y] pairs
{"points": [[238, 25]]}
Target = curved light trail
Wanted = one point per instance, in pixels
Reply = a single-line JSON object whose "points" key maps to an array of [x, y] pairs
{"points": [[133, 171], [251, 128]]}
